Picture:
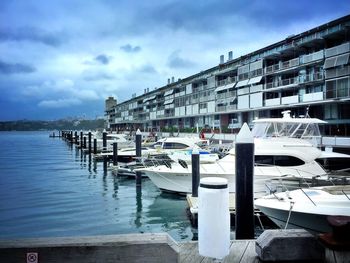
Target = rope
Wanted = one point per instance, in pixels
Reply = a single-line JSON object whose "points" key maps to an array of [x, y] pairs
{"points": [[258, 216], [290, 212]]}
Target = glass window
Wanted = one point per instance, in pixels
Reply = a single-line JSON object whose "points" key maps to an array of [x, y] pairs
{"points": [[281, 160]]}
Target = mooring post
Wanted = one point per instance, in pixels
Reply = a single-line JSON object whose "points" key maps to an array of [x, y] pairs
{"points": [[71, 137], [95, 146], [81, 139], [138, 154], [244, 150], [104, 141], [59, 133], [84, 145], [115, 154], [89, 142], [195, 172]]}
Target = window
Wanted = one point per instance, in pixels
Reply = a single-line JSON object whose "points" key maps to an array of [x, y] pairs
{"points": [[174, 145], [202, 106], [280, 160]]}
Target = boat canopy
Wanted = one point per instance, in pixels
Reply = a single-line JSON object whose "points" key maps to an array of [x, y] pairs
{"points": [[303, 128]]}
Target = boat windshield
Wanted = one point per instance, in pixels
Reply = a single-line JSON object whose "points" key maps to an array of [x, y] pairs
{"points": [[286, 129]]}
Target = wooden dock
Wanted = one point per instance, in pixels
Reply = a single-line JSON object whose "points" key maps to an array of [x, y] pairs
{"points": [[240, 251], [261, 219]]}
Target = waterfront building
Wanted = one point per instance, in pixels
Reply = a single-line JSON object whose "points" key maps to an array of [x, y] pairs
{"points": [[308, 70]]}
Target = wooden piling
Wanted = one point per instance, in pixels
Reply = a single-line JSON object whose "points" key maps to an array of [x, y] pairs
{"points": [[244, 150], [95, 146], [89, 142], [195, 172], [115, 154], [104, 141], [138, 141]]}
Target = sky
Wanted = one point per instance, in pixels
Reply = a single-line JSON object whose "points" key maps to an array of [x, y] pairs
{"points": [[63, 58]]}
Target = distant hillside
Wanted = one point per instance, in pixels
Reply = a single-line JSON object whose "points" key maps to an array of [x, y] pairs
{"points": [[27, 125]]}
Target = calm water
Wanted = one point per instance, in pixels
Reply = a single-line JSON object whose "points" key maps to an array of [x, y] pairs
{"points": [[47, 188]]}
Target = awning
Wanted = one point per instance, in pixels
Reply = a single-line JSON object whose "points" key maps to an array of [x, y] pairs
{"points": [[224, 87], [169, 92], [329, 63], [242, 83], [342, 60], [255, 80], [168, 101], [149, 98]]}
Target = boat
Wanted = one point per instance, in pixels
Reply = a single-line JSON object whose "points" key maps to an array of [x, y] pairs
{"points": [[176, 147], [304, 128], [111, 138], [166, 151], [282, 157], [306, 208]]}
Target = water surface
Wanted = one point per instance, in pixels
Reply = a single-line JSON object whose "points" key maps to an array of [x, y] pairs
{"points": [[49, 189]]}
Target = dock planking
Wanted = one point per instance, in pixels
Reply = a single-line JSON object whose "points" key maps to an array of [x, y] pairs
{"points": [[240, 251]]}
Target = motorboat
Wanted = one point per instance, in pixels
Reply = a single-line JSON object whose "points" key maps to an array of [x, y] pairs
{"points": [[283, 157], [306, 208], [176, 147], [165, 151], [111, 138], [304, 128]]}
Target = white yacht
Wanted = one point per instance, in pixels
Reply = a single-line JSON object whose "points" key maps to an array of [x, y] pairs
{"points": [[282, 157], [111, 138], [175, 147], [304, 128], [306, 208]]}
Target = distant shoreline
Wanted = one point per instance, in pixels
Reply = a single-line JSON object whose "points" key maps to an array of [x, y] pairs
{"points": [[28, 125]]}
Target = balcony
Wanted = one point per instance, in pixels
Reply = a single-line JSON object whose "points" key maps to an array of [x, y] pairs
{"points": [[273, 102], [290, 99], [282, 83], [337, 72], [226, 81], [313, 96]]}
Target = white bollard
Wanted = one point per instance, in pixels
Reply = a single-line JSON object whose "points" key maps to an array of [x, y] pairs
{"points": [[213, 218]]}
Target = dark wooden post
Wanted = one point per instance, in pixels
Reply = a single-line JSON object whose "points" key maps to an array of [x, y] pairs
{"points": [[138, 141], [195, 172], [81, 140], [89, 142], [95, 146], [104, 141], [244, 150], [115, 154]]}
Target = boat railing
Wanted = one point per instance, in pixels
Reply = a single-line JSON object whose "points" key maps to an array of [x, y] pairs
{"points": [[150, 161]]}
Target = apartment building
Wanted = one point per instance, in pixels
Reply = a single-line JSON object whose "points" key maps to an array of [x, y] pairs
{"points": [[306, 71]]}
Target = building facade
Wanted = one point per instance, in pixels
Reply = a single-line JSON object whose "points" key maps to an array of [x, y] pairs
{"points": [[306, 71]]}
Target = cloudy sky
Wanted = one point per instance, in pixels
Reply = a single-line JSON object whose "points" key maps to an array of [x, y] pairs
{"points": [[61, 58]]}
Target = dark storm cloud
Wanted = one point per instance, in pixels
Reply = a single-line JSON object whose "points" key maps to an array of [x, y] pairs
{"points": [[16, 68], [103, 59], [130, 49], [175, 61], [32, 34], [214, 16]]}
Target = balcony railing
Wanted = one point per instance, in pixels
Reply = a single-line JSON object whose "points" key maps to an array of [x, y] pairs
{"points": [[226, 81], [282, 82], [311, 77]]}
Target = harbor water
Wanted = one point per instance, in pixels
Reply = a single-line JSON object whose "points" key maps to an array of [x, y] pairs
{"points": [[49, 189]]}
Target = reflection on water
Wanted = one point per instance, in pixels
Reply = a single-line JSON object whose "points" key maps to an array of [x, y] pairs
{"points": [[49, 188]]}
